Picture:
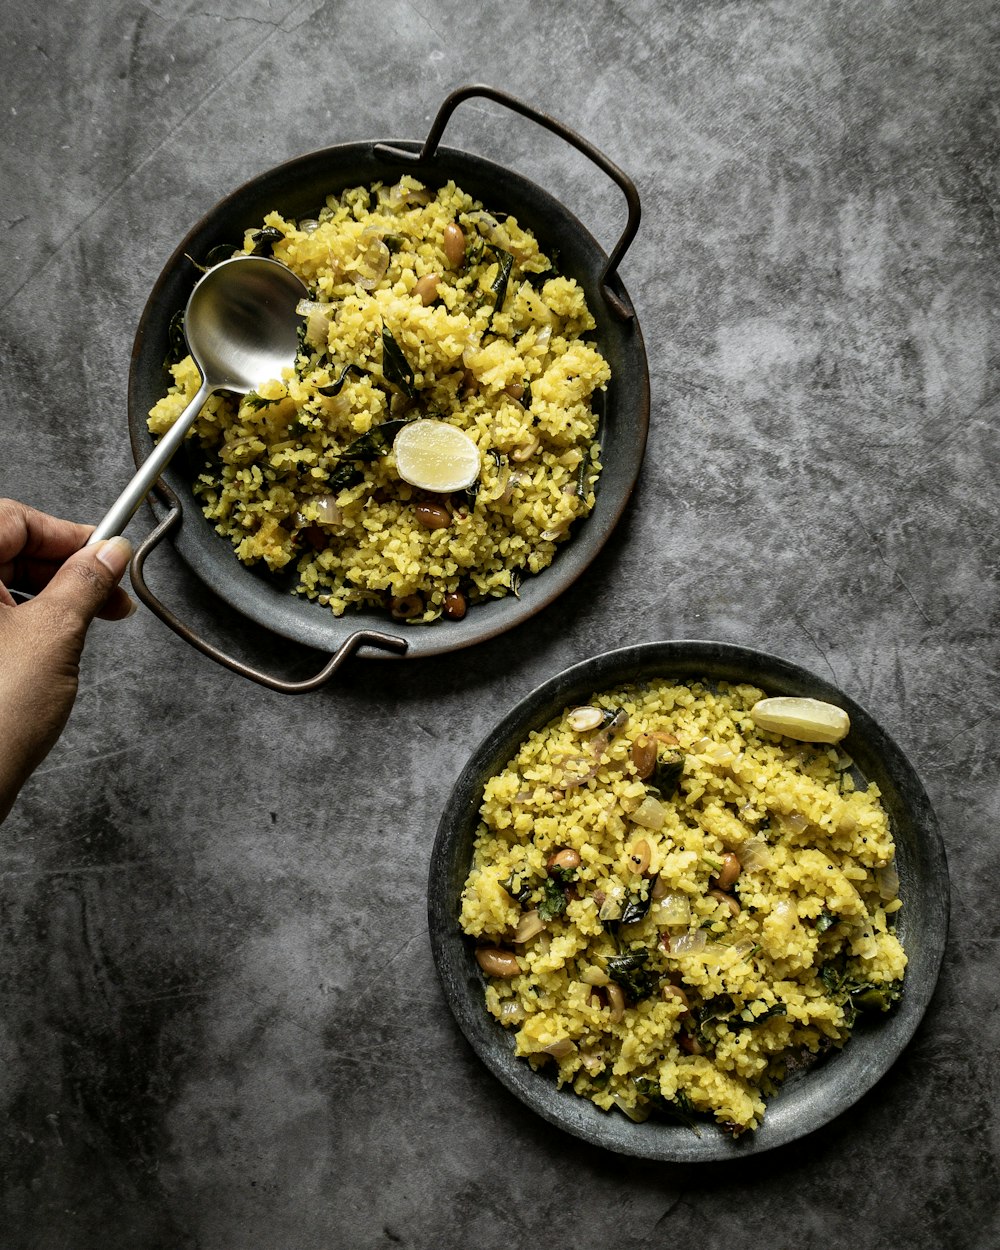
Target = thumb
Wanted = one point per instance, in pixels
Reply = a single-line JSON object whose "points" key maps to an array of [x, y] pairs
{"points": [[82, 585]]}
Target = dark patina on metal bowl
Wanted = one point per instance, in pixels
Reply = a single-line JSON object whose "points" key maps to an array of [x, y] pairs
{"points": [[810, 1098], [298, 189]]}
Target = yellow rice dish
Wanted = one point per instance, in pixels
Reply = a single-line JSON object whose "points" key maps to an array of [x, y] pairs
{"points": [[422, 305], [675, 908]]}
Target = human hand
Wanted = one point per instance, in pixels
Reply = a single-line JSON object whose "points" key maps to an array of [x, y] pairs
{"points": [[41, 641]]}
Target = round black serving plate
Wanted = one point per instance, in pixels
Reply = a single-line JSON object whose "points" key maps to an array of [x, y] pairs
{"points": [[808, 1099], [299, 188]]}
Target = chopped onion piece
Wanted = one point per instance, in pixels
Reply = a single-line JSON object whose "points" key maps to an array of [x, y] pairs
{"points": [[783, 922], [530, 925], [511, 1012], [887, 880], [650, 813], [601, 741], [318, 316], [371, 268], [560, 1049], [743, 949], [326, 509], [673, 908], [638, 1113], [688, 943], [514, 478], [399, 196], [485, 223], [574, 780], [306, 306], [754, 854], [722, 754], [611, 907], [848, 822]]}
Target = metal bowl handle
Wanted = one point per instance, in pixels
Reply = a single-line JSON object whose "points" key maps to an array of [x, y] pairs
{"points": [[362, 637], [610, 271]]}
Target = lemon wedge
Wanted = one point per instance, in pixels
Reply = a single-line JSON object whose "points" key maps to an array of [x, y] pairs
{"points": [[434, 455], [806, 720]]}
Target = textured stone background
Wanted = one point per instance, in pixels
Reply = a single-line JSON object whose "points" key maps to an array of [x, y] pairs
{"points": [[219, 1021]]}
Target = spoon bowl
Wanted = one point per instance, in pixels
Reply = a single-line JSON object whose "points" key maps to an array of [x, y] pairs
{"points": [[241, 328]]}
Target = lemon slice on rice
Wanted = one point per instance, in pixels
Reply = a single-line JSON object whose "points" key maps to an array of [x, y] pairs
{"points": [[806, 720], [436, 456]]}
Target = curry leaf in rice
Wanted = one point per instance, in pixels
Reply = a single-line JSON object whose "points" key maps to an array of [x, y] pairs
{"points": [[553, 901], [333, 389], [667, 773], [264, 240], [630, 971], [505, 262], [255, 402], [554, 892], [376, 442], [635, 908], [395, 367], [344, 476], [519, 887], [747, 1020], [679, 1107], [368, 447]]}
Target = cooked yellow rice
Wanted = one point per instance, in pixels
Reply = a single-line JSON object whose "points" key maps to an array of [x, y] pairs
{"points": [[779, 982], [267, 483]]}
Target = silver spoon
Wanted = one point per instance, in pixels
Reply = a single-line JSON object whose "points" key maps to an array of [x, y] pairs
{"points": [[242, 330]]}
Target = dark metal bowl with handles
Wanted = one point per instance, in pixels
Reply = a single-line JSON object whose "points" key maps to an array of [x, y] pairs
{"points": [[296, 189], [810, 1098]]}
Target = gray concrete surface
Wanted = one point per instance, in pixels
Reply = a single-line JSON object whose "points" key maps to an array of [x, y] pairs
{"points": [[220, 1025]]}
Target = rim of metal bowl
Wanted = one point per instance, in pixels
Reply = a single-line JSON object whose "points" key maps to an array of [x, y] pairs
{"points": [[293, 187], [808, 1100]]}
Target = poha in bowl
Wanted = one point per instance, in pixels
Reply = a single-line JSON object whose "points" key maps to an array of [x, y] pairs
{"points": [[424, 306], [859, 968], [674, 906]]}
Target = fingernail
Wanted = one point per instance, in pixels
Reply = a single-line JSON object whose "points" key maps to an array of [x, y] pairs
{"points": [[133, 607], [115, 554]]}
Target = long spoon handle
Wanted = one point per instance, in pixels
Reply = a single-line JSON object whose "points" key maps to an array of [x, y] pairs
{"points": [[126, 505]]}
